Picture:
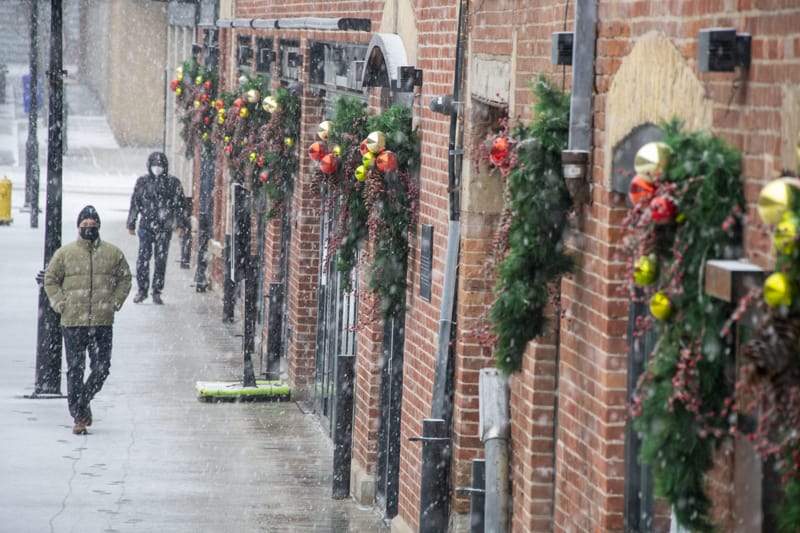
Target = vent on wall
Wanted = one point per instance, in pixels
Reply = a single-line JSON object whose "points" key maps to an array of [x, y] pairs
{"points": [[722, 50]]}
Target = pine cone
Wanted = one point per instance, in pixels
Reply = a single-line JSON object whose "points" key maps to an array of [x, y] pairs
{"points": [[774, 354]]}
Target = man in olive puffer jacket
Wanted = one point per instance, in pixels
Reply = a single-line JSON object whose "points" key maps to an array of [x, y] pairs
{"points": [[87, 281]]}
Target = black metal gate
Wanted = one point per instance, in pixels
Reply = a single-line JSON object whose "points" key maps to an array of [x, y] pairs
{"points": [[336, 322]]}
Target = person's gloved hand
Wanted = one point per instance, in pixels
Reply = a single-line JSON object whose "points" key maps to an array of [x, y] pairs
{"points": [[132, 231]]}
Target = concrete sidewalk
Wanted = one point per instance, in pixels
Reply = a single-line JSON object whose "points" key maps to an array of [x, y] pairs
{"points": [[156, 458]]}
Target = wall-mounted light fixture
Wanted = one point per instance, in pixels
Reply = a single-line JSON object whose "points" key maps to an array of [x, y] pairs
{"points": [[722, 50], [444, 105], [575, 169], [408, 77], [561, 51]]}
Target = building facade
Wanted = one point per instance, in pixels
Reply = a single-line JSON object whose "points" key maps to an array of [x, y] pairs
{"points": [[404, 400]]}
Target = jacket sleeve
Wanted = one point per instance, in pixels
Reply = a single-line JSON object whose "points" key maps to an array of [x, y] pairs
{"points": [[133, 212], [123, 273], [53, 279]]}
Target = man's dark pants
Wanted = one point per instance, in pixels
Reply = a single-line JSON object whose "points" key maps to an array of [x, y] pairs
{"points": [[96, 340], [152, 243]]}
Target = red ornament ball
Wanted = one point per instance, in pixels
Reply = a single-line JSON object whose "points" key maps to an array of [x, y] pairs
{"points": [[663, 209], [640, 189], [499, 150], [238, 102], [386, 162], [174, 85], [363, 148], [206, 120], [318, 150], [207, 85], [329, 164], [263, 177]]}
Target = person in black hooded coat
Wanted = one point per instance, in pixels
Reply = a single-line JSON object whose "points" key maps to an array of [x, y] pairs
{"points": [[158, 205]]}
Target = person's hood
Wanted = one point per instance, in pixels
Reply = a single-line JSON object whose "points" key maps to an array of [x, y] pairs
{"points": [[158, 159]]}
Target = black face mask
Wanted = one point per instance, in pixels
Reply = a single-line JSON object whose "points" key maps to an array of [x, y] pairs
{"points": [[90, 233]]}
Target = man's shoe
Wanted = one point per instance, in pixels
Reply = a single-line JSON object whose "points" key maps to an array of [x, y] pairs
{"points": [[79, 428], [88, 416], [139, 298], [157, 299]]}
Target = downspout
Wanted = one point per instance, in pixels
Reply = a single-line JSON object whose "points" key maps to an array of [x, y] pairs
{"points": [[495, 428], [434, 482]]}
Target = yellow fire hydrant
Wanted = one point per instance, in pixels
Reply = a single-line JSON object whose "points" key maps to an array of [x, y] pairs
{"points": [[5, 201]]}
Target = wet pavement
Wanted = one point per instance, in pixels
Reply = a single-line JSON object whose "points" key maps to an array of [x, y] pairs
{"points": [[156, 459]]}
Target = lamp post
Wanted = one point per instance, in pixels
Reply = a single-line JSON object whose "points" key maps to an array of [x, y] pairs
{"points": [[32, 143], [48, 354]]}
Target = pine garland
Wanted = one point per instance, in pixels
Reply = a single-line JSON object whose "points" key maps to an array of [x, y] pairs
{"points": [[685, 398], [240, 118], [530, 237], [382, 207], [195, 88]]}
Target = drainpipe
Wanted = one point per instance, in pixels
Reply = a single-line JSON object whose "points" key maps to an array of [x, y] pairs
{"points": [[435, 493], [495, 428], [580, 107]]}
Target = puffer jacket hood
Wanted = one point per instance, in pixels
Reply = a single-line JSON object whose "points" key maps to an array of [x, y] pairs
{"points": [[158, 159]]}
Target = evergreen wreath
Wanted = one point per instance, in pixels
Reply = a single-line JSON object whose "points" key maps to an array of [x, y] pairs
{"points": [[684, 399], [529, 253], [195, 88], [373, 195]]}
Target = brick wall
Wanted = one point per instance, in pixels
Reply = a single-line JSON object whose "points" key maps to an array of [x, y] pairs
{"points": [[568, 402]]}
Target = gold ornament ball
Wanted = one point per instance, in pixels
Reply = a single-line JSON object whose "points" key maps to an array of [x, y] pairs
{"points": [[196, 103], [253, 156], [252, 96], [325, 129], [660, 306], [778, 290], [178, 91], [646, 270], [786, 234], [288, 141], [198, 80], [205, 135], [361, 173], [651, 160], [775, 200], [376, 141], [337, 150], [269, 104], [368, 159], [221, 119], [243, 112]]}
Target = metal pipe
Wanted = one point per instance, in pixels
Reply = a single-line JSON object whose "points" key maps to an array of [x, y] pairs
{"points": [[477, 496], [300, 23], [580, 112], [495, 427], [434, 491]]}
